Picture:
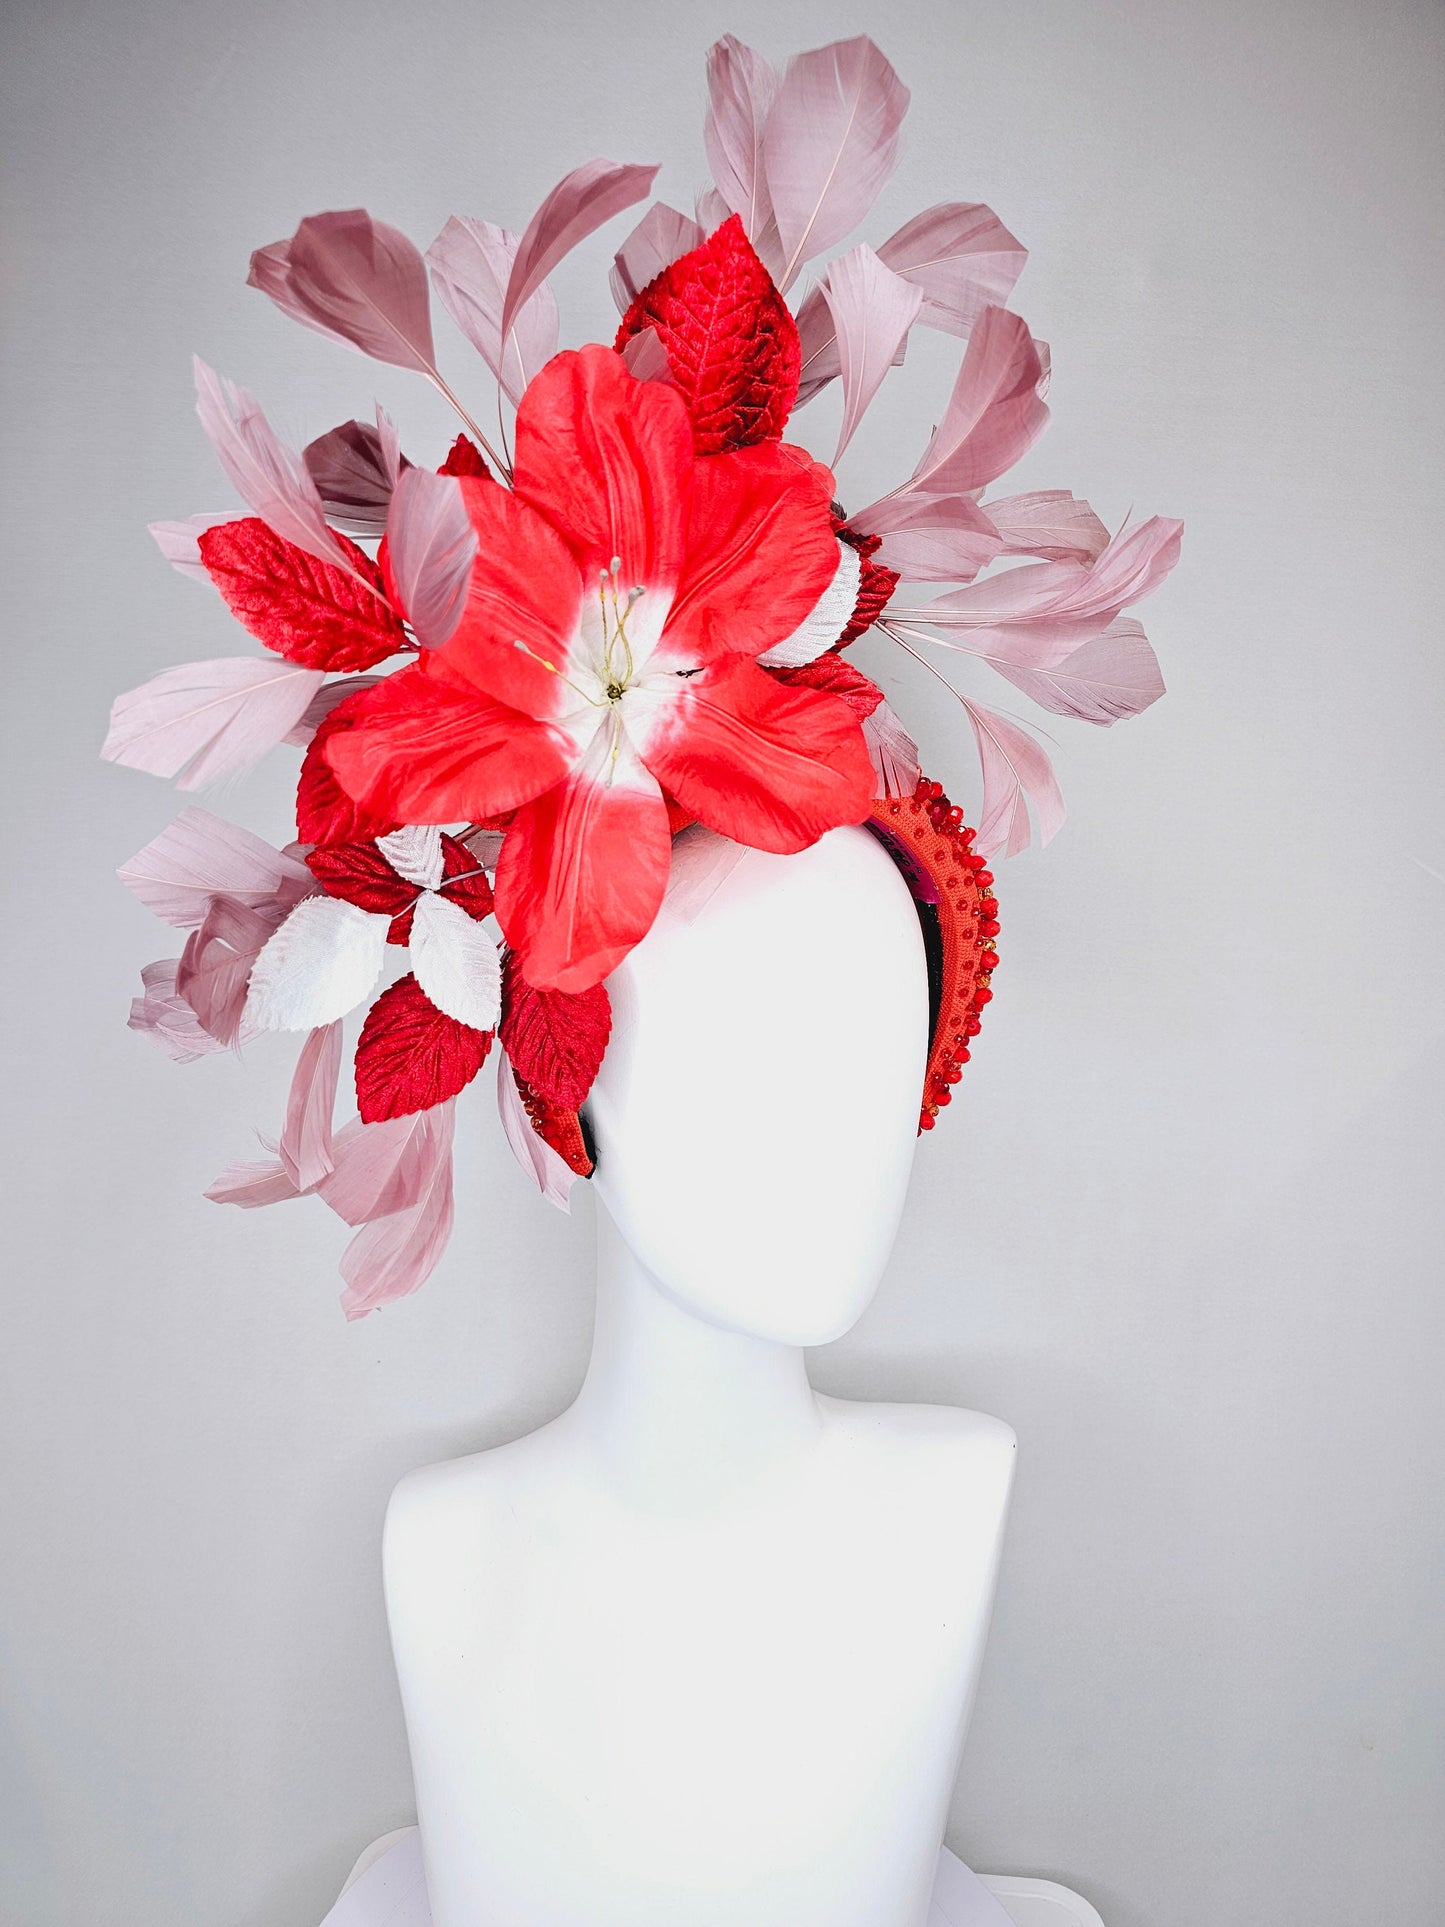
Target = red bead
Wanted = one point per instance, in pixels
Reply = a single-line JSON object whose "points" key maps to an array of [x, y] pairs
{"points": [[943, 1095], [926, 1121], [975, 862], [963, 1054], [952, 1074], [973, 1026], [955, 817], [984, 878], [989, 906], [981, 996], [989, 927]]}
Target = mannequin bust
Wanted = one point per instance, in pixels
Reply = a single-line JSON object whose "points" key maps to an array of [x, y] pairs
{"points": [[703, 1649]]}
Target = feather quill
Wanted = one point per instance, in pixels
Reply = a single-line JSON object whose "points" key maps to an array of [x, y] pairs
{"points": [[430, 543], [661, 237], [577, 206], [872, 310], [471, 262], [273, 482], [203, 721], [741, 88], [830, 143], [199, 856], [1016, 773], [305, 1148]]}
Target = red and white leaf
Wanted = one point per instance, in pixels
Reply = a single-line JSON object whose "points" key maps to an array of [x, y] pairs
{"points": [[555, 1040], [963, 259], [415, 852], [873, 310], [355, 468], [456, 963], [206, 720], [320, 964], [471, 264], [741, 89], [305, 1148], [200, 856], [578, 205], [730, 340], [1103, 681], [823, 626], [270, 479], [830, 143], [307, 610], [430, 542], [552, 1174], [412, 1056], [355, 279], [1016, 773], [1049, 523], [392, 1256], [661, 237]]}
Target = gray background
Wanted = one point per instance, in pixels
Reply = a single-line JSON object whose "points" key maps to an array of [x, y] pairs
{"points": [[1183, 1231]]}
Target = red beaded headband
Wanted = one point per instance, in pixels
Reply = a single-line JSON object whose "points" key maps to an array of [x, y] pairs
{"points": [[952, 889]]}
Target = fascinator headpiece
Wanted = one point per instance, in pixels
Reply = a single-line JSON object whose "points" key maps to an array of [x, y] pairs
{"points": [[516, 674]]}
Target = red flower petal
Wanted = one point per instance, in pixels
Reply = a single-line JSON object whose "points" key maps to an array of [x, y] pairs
{"points": [[303, 608], [583, 869], [760, 552], [324, 811], [410, 1056], [554, 1042], [525, 586], [839, 678], [464, 458], [608, 460], [768, 766], [360, 874], [731, 343], [423, 747]]}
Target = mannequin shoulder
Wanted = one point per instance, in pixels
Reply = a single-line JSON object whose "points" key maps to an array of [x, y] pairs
{"points": [[939, 1444], [428, 1504]]}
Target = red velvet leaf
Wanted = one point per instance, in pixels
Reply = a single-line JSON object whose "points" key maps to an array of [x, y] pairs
{"points": [[839, 678], [731, 343], [411, 1056], [554, 1041], [303, 608], [360, 874], [324, 811], [876, 582], [465, 458], [473, 893]]}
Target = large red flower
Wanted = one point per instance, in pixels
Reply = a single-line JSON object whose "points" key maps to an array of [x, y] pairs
{"points": [[619, 599]]}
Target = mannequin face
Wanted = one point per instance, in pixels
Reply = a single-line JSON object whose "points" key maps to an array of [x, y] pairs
{"points": [[756, 1113]]}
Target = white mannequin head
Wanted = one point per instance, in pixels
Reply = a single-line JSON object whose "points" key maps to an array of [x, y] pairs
{"points": [[757, 1109]]}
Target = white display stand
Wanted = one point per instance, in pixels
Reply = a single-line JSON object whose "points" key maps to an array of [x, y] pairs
{"points": [[387, 1888]]}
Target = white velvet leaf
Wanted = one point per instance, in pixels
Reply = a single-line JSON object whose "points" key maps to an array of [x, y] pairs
{"points": [[456, 962], [319, 965], [415, 853], [825, 622]]}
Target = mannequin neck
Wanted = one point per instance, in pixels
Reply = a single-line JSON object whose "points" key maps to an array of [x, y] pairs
{"points": [[679, 1414]]}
